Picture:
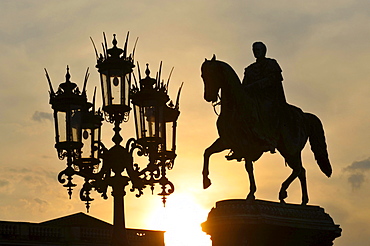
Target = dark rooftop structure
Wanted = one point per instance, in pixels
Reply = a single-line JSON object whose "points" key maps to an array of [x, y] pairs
{"points": [[77, 229]]}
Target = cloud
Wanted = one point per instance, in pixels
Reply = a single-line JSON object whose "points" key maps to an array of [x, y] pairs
{"points": [[4, 183], [357, 173], [356, 180], [40, 116], [40, 201], [359, 166], [20, 170]]}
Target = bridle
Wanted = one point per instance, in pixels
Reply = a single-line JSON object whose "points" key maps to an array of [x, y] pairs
{"points": [[218, 102]]}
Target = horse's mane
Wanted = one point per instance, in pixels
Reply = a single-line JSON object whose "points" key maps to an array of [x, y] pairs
{"points": [[239, 93], [232, 79], [229, 72]]}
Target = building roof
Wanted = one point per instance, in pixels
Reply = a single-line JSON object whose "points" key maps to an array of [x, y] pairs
{"points": [[78, 220], [75, 229]]}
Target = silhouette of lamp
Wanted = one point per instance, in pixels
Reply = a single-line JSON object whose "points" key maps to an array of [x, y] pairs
{"points": [[155, 121], [115, 75], [86, 164], [68, 104]]}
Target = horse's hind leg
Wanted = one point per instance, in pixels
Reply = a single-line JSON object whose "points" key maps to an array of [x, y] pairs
{"points": [[302, 179], [295, 163], [216, 147], [252, 183]]}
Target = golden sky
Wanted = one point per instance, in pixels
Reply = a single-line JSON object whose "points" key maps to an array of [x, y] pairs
{"points": [[322, 46]]}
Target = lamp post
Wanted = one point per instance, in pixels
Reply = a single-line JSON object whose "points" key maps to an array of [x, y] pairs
{"points": [[155, 120]]}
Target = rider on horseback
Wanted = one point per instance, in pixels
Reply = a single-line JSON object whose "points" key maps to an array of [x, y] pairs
{"points": [[255, 118], [263, 81]]}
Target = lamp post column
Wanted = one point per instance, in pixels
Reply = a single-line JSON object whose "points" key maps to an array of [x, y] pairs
{"points": [[117, 159], [119, 237]]}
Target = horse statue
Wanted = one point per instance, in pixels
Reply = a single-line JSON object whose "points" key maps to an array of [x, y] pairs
{"points": [[238, 121]]}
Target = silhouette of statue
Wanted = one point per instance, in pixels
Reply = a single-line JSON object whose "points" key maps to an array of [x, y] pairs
{"points": [[242, 125], [265, 73], [263, 78]]}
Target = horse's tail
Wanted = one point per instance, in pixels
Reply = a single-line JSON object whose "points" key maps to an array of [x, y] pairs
{"points": [[318, 144]]}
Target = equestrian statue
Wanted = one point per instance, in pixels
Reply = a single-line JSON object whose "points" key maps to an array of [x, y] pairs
{"points": [[255, 118]]}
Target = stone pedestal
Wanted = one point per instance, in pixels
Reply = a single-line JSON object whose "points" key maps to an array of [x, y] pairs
{"points": [[264, 223]]}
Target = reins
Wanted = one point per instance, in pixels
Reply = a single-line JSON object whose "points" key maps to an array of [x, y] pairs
{"points": [[214, 104]]}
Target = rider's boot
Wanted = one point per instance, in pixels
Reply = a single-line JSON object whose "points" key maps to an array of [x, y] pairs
{"points": [[234, 156]]}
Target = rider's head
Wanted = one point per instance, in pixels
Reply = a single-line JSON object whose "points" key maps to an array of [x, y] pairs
{"points": [[259, 49]]}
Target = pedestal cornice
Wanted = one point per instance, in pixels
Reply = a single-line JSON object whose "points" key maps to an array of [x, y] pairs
{"points": [[271, 221]]}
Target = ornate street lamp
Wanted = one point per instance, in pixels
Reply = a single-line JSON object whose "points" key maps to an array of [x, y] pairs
{"points": [[68, 104], [149, 102], [155, 120], [115, 75], [91, 133]]}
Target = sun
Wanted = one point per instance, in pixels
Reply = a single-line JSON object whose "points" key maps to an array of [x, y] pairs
{"points": [[181, 219]]}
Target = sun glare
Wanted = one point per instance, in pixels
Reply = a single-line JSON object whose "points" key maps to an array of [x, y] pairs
{"points": [[181, 219]]}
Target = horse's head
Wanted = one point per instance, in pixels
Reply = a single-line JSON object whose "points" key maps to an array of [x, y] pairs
{"points": [[211, 75]]}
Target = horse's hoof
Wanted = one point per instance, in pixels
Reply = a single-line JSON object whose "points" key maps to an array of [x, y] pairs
{"points": [[283, 195], [304, 202], [251, 198], [206, 183]]}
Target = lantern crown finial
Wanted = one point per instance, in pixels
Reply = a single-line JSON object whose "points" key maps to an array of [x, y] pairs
{"points": [[114, 52], [147, 82], [114, 42], [68, 86], [147, 71], [68, 76]]}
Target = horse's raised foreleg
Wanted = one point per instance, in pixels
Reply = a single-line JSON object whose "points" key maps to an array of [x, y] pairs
{"points": [[296, 164], [216, 147], [252, 183]]}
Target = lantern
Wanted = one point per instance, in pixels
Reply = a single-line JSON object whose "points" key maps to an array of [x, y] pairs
{"points": [[88, 159], [68, 104], [149, 104], [171, 115], [115, 76]]}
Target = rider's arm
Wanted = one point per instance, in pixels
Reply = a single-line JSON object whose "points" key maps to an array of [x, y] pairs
{"points": [[270, 80]]}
